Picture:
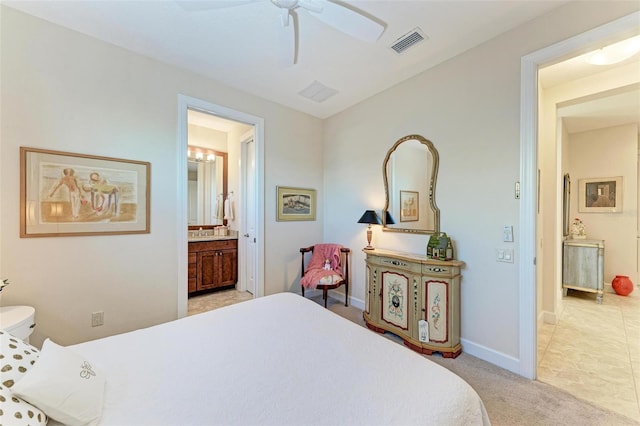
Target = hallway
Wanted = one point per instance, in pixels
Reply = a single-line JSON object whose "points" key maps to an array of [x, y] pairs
{"points": [[593, 352]]}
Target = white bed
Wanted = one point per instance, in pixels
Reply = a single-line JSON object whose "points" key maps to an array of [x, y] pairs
{"points": [[277, 360]]}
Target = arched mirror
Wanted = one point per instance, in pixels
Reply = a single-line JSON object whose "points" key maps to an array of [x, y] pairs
{"points": [[410, 170]]}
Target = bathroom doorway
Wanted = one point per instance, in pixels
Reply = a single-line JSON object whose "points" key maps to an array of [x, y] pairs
{"points": [[236, 128]]}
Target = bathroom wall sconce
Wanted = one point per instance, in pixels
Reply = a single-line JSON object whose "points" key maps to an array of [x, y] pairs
{"points": [[200, 154], [370, 217]]}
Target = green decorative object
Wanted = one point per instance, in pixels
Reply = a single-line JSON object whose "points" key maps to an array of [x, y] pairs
{"points": [[443, 241], [434, 241]]}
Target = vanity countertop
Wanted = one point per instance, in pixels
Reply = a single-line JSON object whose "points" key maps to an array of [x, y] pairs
{"points": [[212, 238]]}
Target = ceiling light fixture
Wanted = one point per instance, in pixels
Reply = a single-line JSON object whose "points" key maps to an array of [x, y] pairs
{"points": [[614, 53]]}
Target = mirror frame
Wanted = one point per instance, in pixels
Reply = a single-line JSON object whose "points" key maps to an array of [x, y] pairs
{"points": [[225, 171], [432, 186]]}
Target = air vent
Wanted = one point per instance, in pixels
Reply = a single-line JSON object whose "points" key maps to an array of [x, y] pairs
{"points": [[408, 40], [317, 92]]}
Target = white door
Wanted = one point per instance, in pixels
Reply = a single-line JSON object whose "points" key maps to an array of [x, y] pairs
{"points": [[248, 237]]}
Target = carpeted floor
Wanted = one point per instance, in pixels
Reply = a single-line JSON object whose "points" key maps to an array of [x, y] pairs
{"points": [[511, 399]]}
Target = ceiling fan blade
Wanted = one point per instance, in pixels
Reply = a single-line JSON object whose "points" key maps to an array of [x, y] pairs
{"points": [[346, 19], [288, 40], [199, 5]]}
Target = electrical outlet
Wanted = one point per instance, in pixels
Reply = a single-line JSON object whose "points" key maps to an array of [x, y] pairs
{"points": [[97, 319]]}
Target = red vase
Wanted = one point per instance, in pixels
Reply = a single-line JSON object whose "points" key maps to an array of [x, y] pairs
{"points": [[622, 285]]}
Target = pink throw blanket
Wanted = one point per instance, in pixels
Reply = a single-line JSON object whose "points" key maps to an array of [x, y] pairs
{"points": [[314, 271]]}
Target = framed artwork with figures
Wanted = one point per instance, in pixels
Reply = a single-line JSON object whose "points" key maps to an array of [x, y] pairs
{"points": [[70, 194]]}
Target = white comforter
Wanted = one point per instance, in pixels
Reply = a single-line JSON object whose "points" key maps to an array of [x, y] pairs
{"points": [[277, 360]]}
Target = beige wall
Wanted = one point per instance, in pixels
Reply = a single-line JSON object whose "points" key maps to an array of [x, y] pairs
{"points": [[469, 107], [609, 152], [64, 91]]}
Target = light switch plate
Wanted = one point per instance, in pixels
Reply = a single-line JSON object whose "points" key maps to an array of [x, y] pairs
{"points": [[508, 234], [504, 255]]}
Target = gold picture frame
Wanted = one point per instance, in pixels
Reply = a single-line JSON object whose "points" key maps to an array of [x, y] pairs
{"points": [[295, 204], [64, 194]]}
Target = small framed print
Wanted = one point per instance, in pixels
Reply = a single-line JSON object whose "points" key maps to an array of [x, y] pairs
{"points": [[295, 203], [409, 210], [600, 195]]}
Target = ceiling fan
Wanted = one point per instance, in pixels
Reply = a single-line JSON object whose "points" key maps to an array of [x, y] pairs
{"points": [[339, 15]]}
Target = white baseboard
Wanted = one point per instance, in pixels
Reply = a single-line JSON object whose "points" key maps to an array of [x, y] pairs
{"points": [[356, 303], [494, 357], [547, 317]]}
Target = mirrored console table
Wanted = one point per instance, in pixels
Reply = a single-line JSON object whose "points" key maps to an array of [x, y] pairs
{"points": [[583, 266]]}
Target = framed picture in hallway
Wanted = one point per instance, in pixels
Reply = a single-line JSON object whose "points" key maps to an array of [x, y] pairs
{"points": [[295, 203], [600, 195], [69, 194]]}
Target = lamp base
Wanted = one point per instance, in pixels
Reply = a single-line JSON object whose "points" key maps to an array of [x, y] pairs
{"points": [[369, 247]]}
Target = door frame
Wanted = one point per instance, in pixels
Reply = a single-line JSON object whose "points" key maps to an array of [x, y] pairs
{"points": [[243, 243], [184, 103], [625, 26]]}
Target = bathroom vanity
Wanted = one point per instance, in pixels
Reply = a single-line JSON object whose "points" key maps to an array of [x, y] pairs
{"points": [[213, 262]]}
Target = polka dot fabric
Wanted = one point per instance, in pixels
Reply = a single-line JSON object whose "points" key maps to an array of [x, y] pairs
{"points": [[17, 412], [16, 358]]}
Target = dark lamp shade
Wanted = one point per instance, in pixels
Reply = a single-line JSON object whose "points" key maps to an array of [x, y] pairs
{"points": [[370, 217], [388, 219]]}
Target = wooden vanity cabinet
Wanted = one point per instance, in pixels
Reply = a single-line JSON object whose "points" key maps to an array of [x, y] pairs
{"points": [[212, 264], [404, 288]]}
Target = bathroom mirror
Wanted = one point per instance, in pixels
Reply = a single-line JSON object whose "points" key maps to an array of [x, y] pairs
{"points": [[409, 171], [206, 186]]}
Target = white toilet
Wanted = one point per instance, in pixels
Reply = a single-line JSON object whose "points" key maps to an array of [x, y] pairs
{"points": [[19, 321]]}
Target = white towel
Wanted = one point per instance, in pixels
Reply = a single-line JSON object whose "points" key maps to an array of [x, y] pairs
{"points": [[229, 212], [219, 207]]}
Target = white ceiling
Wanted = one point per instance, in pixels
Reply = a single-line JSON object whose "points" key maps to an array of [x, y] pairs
{"points": [[238, 45]]}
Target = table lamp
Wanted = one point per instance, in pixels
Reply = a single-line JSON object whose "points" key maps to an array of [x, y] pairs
{"points": [[369, 217]]}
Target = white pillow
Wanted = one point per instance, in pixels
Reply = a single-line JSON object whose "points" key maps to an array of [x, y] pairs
{"points": [[64, 385]]}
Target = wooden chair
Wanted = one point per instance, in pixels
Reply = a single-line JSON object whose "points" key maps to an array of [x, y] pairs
{"points": [[328, 284]]}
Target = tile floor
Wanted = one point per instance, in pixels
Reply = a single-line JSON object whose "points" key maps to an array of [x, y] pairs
{"points": [[593, 352], [209, 301]]}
